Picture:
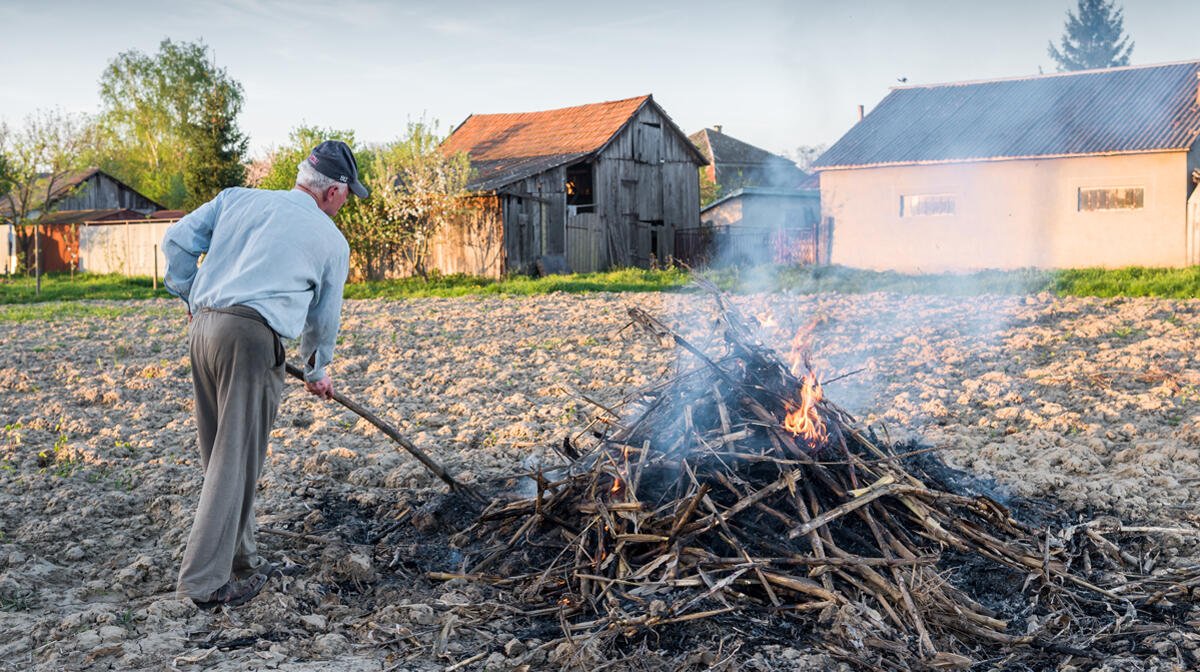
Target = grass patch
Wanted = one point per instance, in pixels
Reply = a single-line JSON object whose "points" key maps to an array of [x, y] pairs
{"points": [[57, 311], [64, 287], [60, 290], [623, 280], [1166, 283]]}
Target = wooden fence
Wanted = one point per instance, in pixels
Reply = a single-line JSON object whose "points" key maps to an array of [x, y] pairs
{"points": [[746, 246], [128, 248]]}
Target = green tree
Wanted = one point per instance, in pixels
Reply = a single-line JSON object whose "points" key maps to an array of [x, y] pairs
{"points": [[709, 189], [283, 161], [358, 219], [215, 150], [1093, 38], [170, 123], [417, 190]]}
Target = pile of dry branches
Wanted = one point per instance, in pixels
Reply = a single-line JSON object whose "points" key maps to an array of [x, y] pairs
{"points": [[737, 486]]}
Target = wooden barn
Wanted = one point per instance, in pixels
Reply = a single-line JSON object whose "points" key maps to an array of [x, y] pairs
{"points": [[582, 188], [1090, 168], [75, 199]]}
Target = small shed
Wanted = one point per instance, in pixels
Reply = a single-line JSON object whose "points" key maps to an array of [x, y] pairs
{"points": [[583, 188], [753, 225]]}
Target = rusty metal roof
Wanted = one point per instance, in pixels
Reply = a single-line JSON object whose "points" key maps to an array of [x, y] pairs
{"points": [[89, 216], [507, 147], [1113, 111]]}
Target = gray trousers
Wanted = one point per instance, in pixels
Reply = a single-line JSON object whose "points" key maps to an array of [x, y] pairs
{"points": [[237, 373]]}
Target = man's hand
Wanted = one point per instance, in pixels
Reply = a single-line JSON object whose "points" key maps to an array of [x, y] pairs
{"points": [[323, 388]]}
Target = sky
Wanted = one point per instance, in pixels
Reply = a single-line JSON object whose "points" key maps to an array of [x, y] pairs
{"points": [[776, 74]]}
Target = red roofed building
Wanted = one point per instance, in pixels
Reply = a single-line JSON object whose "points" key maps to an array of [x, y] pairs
{"points": [[580, 188], [59, 205]]}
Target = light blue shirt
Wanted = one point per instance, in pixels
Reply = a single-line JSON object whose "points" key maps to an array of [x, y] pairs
{"points": [[274, 251]]}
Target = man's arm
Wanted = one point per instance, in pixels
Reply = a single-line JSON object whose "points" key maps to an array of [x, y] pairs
{"points": [[321, 327], [183, 244]]}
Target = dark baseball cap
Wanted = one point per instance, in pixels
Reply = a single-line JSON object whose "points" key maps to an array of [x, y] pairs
{"points": [[334, 160]]}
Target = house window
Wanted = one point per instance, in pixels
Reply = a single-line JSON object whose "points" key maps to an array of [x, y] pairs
{"points": [[1112, 198], [922, 205]]}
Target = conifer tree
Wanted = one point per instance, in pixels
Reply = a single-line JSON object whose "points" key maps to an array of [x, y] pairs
{"points": [[1093, 38]]}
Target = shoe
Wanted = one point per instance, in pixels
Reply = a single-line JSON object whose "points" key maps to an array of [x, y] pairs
{"points": [[234, 593]]}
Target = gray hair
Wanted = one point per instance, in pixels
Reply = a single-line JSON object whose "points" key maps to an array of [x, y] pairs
{"points": [[307, 176]]}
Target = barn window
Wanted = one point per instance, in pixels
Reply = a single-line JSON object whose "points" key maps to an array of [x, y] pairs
{"points": [[922, 205], [580, 193], [1111, 198]]}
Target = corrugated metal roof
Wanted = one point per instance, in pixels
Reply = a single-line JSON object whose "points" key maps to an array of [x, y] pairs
{"points": [[84, 216], [167, 214], [720, 148], [807, 194], [1117, 110], [737, 163]]}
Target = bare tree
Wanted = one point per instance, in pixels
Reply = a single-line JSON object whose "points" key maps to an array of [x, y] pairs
{"points": [[805, 155], [40, 155]]}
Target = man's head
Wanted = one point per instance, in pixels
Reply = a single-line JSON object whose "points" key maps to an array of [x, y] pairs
{"points": [[330, 175]]}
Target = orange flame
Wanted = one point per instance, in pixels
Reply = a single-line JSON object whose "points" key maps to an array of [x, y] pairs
{"points": [[804, 420], [616, 486]]}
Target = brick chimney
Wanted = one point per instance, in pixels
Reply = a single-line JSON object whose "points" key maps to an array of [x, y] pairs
{"points": [[860, 107], [717, 127]]}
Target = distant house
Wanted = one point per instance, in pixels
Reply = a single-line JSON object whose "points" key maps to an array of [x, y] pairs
{"points": [[79, 200], [754, 225], [582, 188], [1090, 168], [734, 164], [767, 209]]}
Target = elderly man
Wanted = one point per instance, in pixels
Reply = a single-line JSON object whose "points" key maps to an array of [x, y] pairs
{"points": [[274, 266]]}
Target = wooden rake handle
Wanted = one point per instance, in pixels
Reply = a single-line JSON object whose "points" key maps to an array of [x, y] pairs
{"points": [[396, 436]]}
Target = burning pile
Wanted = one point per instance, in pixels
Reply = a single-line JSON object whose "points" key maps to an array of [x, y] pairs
{"points": [[738, 487]]}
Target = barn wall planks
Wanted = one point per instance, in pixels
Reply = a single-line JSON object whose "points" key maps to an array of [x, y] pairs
{"points": [[645, 202], [645, 185], [101, 191]]}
